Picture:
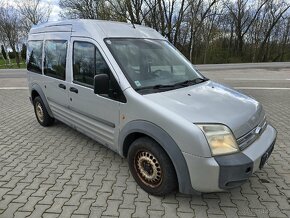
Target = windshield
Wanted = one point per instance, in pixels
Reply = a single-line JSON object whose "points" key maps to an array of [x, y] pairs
{"points": [[153, 65]]}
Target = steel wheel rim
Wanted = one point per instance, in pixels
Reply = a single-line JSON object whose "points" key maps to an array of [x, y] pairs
{"points": [[39, 112], [148, 168]]}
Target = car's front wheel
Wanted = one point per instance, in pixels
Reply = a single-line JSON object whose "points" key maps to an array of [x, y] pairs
{"points": [[151, 167]]}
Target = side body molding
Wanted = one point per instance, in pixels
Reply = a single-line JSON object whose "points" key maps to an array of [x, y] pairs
{"points": [[167, 143], [37, 88]]}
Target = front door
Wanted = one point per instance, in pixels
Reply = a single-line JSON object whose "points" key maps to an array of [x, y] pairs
{"points": [[97, 116]]}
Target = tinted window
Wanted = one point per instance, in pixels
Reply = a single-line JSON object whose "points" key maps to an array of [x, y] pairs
{"points": [[88, 62], [34, 56], [55, 59], [84, 63], [101, 65]]}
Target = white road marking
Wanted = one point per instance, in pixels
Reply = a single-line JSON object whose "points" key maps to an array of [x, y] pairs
{"points": [[262, 88], [255, 79], [13, 88]]}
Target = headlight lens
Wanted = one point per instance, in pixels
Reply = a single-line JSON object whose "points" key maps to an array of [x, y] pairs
{"points": [[220, 139]]}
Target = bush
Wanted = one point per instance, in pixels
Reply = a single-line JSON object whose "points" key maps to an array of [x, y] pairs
{"points": [[11, 55]]}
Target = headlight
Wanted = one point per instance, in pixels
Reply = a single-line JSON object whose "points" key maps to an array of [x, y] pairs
{"points": [[220, 139]]}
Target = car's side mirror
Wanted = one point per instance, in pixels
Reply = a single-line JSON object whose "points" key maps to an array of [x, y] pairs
{"points": [[101, 84]]}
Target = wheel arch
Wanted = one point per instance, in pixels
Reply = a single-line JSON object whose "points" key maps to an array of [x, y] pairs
{"points": [[34, 94], [139, 128], [37, 91]]}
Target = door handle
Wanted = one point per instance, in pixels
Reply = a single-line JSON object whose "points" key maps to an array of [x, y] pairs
{"points": [[62, 86], [72, 89]]}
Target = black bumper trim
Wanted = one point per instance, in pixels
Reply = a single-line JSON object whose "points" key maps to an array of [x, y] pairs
{"points": [[266, 155], [235, 169]]}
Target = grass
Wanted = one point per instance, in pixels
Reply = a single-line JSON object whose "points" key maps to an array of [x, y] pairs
{"points": [[13, 65]]}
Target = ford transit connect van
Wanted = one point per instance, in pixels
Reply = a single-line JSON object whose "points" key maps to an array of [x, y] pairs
{"points": [[128, 88]]}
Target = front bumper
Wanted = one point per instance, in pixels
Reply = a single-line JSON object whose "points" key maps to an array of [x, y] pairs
{"points": [[229, 171]]}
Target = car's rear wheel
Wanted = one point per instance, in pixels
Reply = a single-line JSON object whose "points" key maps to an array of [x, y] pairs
{"points": [[41, 113], [151, 167]]}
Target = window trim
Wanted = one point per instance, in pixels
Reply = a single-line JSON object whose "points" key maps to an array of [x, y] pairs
{"points": [[44, 55], [83, 84]]}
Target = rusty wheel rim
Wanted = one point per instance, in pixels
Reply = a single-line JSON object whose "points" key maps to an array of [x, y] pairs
{"points": [[148, 168], [39, 112]]}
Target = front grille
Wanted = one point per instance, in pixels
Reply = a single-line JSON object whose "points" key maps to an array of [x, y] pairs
{"points": [[251, 136]]}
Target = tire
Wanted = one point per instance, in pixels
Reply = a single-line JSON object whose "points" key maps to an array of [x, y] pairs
{"points": [[41, 113], [151, 167]]}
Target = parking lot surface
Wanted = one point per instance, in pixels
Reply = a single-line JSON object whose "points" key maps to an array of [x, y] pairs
{"points": [[59, 172]]}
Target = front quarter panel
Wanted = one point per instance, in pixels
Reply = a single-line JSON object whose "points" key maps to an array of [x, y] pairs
{"points": [[186, 135]]}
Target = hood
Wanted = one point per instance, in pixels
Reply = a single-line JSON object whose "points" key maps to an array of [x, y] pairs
{"points": [[210, 102]]}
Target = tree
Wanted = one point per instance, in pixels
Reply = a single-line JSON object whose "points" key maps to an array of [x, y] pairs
{"points": [[243, 15], [11, 29], [5, 56], [3, 52], [273, 13], [84, 9], [178, 22], [33, 12], [285, 39], [206, 31], [199, 11], [162, 15], [23, 51]]}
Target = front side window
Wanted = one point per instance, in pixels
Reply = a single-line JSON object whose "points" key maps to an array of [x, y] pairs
{"points": [[88, 62], [152, 65], [34, 56], [55, 58], [84, 63]]}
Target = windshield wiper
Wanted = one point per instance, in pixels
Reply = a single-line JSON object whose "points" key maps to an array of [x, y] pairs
{"points": [[172, 86], [191, 82], [158, 87]]}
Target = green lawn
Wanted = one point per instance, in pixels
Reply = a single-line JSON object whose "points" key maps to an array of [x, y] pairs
{"points": [[12, 66]]}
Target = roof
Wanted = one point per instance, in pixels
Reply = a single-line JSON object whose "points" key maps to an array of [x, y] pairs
{"points": [[97, 28]]}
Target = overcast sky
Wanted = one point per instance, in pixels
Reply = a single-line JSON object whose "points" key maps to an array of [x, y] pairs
{"points": [[55, 9], [54, 3]]}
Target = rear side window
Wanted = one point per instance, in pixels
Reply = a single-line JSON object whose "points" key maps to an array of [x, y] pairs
{"points": [[55, 58], [34, 56]]}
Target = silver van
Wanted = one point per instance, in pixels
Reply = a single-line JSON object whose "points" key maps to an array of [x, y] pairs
{"points": [[128, 88]]}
